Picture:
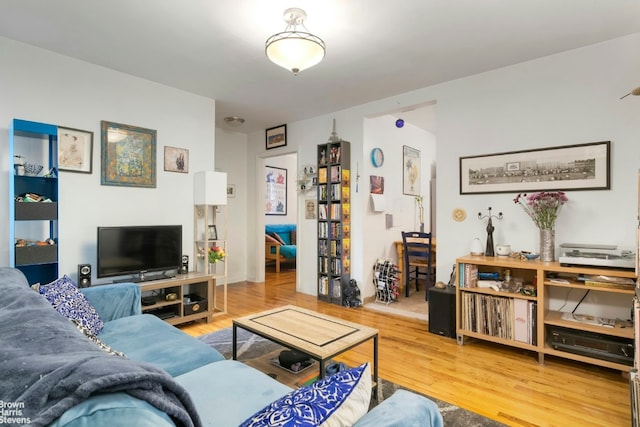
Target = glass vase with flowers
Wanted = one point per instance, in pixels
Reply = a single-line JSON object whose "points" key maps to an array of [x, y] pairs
{"points": [[543, 208]]}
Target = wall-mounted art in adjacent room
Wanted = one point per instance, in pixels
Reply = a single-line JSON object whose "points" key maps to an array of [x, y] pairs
{"points": [[410, 171], [276, 191]]}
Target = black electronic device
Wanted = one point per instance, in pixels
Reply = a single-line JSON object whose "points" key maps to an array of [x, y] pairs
{"points": [[138, 250], [84, 275], [148, 300], [591, 344], [442, 311], [184, 266]]}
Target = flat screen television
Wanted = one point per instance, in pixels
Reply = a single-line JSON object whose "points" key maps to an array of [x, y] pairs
{"points": [[138, 249]]}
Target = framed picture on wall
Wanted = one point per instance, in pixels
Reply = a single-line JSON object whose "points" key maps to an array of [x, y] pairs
{"points": [[75, 150], [410, 171], [276, 191], [276, 137], [128, 155], [176, 159], [568, 167]]}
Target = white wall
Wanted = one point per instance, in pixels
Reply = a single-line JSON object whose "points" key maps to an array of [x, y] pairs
{"points": [[564, 99], [41, 86], [231, 155]]}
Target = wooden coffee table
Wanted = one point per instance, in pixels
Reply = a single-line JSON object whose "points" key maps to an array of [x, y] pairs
{"points": [[320, 336]]}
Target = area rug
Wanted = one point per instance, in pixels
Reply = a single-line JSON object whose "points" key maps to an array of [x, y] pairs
{"points": [[251, 346]]}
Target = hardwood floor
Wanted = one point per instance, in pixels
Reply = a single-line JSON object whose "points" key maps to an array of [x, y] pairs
{"points": [[499, 382]]}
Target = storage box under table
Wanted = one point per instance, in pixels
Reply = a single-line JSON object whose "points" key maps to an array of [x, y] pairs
{"points": [[193, 304]]}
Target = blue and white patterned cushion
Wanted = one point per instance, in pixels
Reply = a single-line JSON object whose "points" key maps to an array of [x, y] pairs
{"points": [[67, 299], [338, 400]]}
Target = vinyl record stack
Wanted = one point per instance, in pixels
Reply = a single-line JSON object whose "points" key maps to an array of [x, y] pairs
{"points": [[385, 280]]}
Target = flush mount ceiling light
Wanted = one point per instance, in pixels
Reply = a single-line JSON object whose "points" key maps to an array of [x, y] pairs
{"points": [[234, 121], [292, 49]]}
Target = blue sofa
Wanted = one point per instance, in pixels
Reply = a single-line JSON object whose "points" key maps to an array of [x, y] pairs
{"points": [[280, 243], [215, 391]]}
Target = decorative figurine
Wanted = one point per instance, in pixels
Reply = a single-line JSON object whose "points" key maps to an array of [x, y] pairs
{"points": [[489, 250]]}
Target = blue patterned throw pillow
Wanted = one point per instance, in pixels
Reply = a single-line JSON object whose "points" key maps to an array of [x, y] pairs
{"points": [[338, 400], [67, 299]]}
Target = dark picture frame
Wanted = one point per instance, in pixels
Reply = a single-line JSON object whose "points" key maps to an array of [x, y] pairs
{"points": [[562, 168], [128, 155], [275, 195], [176, 159], [276, 137], [212, 233], [75, 150]]}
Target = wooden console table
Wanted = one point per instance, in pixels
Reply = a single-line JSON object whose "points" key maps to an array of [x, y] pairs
{"points": [[400, 252]]}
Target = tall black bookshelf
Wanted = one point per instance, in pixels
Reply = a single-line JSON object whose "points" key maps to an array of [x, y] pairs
{"points": [[334, 220]]}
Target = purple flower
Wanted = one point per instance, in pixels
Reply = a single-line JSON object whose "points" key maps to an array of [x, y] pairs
{"points": [[542, 207]]}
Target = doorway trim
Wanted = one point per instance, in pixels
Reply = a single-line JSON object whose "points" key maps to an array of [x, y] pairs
{"points": [[260, 163]]}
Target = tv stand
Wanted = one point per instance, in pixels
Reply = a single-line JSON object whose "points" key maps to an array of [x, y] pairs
{"points": [[185, 298]]}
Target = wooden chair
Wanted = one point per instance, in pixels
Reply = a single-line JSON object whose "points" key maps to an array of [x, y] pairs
{"points": [[417, 260]]}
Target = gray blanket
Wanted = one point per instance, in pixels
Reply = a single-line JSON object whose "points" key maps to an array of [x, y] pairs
{"points": [[48, 366]]}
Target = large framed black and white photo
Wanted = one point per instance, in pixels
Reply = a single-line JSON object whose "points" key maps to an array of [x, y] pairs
{"points": [[568, 167]]}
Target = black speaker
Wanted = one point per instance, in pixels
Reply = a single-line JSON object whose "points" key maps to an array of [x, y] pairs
{"points": [[442, 311], [84, 275], [184, 267]]}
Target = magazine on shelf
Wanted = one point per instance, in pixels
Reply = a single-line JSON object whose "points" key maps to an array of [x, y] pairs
{"points": [[589, 319]]}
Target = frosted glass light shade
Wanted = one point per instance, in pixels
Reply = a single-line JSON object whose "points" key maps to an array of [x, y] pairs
{"points": [[210, 188], [295, 50]]}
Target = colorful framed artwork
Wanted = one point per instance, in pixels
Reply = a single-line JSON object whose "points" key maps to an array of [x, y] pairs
{"points": [[568, 167], [75, 150], [128, 155], [276, 137], [176, 159], [276, 191], [410, 171]]}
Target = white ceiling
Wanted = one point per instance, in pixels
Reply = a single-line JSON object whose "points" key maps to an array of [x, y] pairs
{"points": [[375, 48]]}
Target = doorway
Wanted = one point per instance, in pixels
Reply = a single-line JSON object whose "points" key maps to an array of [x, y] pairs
{"points": [[415, 126], [280, 212]]}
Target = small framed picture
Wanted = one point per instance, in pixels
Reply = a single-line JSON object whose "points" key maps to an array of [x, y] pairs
{"points": [[75, 150], [276, 137], [176, 159], [213, 233]]}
